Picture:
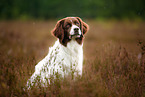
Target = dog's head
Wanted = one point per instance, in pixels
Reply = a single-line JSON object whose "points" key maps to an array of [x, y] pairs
{"points": [[70, 28]]}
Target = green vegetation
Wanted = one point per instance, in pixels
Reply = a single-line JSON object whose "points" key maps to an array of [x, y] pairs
{"points": [[113, 60], [47, 9]]}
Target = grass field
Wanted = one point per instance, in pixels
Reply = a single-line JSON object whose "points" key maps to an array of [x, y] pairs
{"points": [[114, 59]]}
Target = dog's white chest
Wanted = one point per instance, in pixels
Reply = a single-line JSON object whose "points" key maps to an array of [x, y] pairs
{"points": [[73, 55], [60, 59]]}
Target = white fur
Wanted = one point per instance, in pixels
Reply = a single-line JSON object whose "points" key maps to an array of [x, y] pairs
{"points": [[72, 30], [60, 59]]}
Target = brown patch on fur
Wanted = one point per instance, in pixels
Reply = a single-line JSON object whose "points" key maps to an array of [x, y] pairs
{"points": [[63, 27], [84, 26], [80, 40], [58, 31]]}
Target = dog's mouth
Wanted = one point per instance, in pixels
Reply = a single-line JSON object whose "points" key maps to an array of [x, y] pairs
{"points": [[75, 36]]}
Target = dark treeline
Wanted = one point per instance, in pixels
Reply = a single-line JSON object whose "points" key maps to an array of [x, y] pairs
{"points": [[46, 9]]}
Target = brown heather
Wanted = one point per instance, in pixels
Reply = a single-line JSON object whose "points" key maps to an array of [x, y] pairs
{"points": [[114, 60]]}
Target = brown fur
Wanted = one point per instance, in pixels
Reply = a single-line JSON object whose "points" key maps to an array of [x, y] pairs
{"points": [[63, 27], [84, 26]]}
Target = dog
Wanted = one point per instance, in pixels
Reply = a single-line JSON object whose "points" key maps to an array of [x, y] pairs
{"points": [[66, 56]]}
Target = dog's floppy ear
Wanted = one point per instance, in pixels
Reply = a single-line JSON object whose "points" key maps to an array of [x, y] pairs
{"points": [[58, 30], [83, 25]]}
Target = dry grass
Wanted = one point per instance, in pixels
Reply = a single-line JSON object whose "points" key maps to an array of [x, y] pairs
{"points": [[112, 66]]}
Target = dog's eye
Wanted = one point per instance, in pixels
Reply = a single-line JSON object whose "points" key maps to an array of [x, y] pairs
{"points": [[68, 25], [76, 23]]}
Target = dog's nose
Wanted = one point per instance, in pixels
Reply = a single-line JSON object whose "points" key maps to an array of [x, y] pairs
{"points": [[76, 30]]}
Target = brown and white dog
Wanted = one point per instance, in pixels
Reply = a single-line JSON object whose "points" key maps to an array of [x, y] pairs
{"points": [[66, 56]]}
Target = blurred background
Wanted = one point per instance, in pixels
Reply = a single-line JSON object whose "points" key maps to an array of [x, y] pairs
{"points": [[48, 9], [114, 47]]}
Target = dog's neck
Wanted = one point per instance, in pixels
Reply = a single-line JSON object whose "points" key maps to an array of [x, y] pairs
{"points": [[73, 47], [66, 40]]}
